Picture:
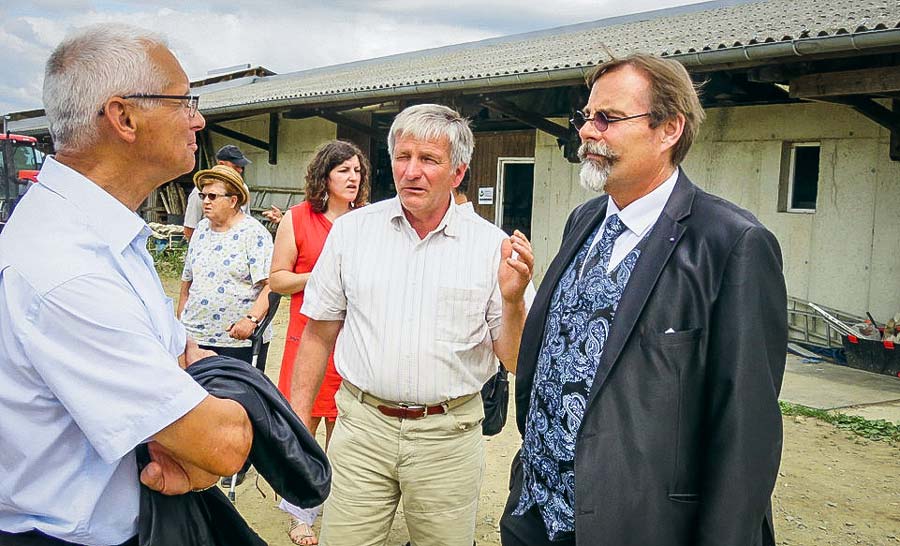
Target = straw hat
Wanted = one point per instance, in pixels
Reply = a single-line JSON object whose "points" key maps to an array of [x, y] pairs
{"points": [[228, 176]]}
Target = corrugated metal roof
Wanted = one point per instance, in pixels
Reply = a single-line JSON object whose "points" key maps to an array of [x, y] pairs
{"points": [[704, 27]]}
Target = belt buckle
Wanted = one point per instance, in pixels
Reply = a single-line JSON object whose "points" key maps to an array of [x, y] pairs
{"points": [[415, 407]]}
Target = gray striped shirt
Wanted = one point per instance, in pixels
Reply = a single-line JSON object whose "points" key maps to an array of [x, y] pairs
{"points": [[419, 315]]}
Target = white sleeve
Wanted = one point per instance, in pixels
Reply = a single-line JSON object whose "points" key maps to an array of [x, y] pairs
{"points": [[102, 358], [193, 211], [324, 297]]}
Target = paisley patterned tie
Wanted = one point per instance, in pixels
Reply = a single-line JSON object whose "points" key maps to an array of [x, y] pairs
{"points": [[603, 250]]}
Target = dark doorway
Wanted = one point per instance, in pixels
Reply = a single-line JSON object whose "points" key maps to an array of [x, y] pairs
{"points": [[516, 189]]}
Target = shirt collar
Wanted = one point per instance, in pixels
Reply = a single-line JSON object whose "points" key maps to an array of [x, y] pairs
{"points": [[641, 214], [448, 223], [112, 221]]}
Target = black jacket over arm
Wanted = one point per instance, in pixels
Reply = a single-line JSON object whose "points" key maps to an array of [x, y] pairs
{"points": [[283, 452], [681, 438]]}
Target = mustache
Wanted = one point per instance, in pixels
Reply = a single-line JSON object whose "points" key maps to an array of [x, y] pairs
{"points": [[596, 148]]}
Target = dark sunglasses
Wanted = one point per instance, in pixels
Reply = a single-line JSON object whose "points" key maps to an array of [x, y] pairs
{"points": [[600, 120], [213, 196]]}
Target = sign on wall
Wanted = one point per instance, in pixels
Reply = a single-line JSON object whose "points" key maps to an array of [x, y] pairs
{"points": [[486, 196]]}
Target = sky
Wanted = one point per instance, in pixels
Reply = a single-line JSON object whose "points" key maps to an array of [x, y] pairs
{"points": [[281, 35]]}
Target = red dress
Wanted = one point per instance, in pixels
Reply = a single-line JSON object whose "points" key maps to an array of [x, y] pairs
{"points": [[310, 230]]}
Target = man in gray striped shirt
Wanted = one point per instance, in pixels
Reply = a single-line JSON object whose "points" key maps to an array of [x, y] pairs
{"points": [[423, 296]]}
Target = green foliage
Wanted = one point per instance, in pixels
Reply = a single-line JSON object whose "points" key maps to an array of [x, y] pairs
{"points": [[876, 430], [170, 261]]}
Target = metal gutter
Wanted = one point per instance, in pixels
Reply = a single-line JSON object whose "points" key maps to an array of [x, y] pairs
{"points": [[797, 47]]}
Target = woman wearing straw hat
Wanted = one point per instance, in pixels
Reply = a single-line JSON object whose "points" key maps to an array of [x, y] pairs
{"points": [[225, 282]]}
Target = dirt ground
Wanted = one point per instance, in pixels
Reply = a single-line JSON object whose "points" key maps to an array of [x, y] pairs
{"points": [[834, 488]]}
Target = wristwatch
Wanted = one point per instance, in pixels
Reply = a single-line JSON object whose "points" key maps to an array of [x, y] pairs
{"points": [[252, 319]]}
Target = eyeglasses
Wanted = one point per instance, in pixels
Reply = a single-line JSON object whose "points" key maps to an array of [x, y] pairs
{"points": [[213, 196], [600, 120], [191, 102]]}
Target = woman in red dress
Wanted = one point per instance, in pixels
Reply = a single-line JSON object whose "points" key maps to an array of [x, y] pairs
{"points": [[337, 181]]}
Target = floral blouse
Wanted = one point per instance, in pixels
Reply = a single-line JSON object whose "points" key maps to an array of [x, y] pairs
{"points": [[225, 269]]}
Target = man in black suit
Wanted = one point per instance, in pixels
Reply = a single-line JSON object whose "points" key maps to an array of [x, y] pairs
{"points": [[652, 357]]}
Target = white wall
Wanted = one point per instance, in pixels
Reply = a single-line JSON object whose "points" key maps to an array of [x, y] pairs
{"points": [[846, 255], [297, 140]]}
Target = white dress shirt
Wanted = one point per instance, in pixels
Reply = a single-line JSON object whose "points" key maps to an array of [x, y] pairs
{"points": [[88, 366], [419, 315], [639, 216]]}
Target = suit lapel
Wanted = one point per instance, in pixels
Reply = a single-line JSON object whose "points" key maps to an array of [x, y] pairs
{"points": [[661, 242]]}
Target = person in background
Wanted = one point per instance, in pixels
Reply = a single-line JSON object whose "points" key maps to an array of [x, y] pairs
{"points": [[91, 354], [337, 181], [224, 284], [231, 156], [225, 281]]}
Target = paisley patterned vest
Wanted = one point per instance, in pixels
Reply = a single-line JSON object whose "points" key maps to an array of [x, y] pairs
{"points": [[580, 316]]}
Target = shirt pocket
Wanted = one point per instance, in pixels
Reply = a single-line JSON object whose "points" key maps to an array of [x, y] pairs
{"points": [[460, 315]]}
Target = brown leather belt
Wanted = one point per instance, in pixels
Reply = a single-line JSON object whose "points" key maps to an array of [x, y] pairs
{"points": [[402, 410]]}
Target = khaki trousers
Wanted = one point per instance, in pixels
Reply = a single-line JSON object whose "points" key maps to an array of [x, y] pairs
{"points": [[434, 465]]}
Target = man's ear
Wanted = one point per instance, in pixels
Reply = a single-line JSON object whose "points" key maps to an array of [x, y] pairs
{"points": [[671, 131], [459, 174], [120, 119]]}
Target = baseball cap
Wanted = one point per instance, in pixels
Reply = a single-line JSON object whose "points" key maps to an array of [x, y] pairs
{"points": [[232, 153]]}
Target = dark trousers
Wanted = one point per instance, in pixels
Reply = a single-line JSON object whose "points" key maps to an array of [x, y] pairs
{"points": [[243, 353], [527, 529], [37, 538]]}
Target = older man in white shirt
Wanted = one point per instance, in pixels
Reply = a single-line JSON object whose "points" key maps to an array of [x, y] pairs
{"points": [[90, 348], [423, 296]]}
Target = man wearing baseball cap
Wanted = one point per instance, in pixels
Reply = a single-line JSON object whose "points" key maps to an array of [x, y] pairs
{"points": [[229, 155]]}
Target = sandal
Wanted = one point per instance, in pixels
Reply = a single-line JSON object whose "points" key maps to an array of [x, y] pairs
{"points": [[305, 536]]}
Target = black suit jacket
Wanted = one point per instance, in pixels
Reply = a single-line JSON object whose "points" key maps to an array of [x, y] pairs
{"points": [[681, 438]]}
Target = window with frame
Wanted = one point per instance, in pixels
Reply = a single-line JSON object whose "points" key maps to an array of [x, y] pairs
{"points": [[799, 185]]}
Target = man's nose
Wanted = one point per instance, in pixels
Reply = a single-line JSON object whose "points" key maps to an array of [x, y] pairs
{"points": [[198, 122], [413, 169], [589, 132]]}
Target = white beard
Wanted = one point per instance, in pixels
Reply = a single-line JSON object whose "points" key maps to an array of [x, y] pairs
{"points": [[593, 175]]}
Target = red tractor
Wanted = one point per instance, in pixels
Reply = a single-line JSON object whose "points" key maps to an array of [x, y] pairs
{"points": [[20, 161]]}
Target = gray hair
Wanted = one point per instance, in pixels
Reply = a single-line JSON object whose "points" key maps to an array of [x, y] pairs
{"points": [[89, 67], [431, 122]]}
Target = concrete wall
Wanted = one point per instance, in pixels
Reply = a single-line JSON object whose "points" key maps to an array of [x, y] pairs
{"points": [[845, 255], [297, 140]]}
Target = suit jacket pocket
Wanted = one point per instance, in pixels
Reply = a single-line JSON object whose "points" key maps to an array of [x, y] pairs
{"points": [[689, 498], [679, 337]]}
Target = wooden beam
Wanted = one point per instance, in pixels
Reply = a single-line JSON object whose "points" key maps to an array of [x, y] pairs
{"points": [[340, 119], [869, 81], [529, 118], [895, 134], [886, 117], [273, 138], [879, 114], [240, 137]]}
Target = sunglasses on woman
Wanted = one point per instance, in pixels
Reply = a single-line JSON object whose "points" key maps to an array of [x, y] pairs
{"points": [[213, 196]]}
